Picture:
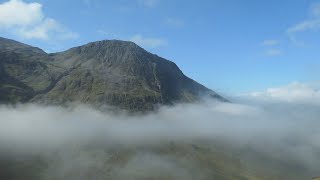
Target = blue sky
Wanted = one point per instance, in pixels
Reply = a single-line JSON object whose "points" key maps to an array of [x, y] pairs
{"points": [[231, 46]]}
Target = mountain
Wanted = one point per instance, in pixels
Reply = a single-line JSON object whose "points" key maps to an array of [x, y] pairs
{"points": [[25, 71], [113, 72]]}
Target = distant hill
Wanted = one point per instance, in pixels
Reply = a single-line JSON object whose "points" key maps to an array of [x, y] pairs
{"points": [[113, 72]]}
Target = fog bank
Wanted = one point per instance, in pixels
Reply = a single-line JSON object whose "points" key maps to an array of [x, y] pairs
{"points": [[285, 131]]}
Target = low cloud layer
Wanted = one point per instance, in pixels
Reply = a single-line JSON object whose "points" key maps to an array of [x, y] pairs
{"points": [[286, 131]]}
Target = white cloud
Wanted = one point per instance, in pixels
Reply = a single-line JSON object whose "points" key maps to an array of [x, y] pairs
{"points": [[315, 10], [295, 92], [270, 42], [276, 131], [305, 25], [16, 12], [108, 34], [148, 42], [149, 3], [271, 48], [274, 52], [235, 109], [48, 28], [174, 22], [91, 3], [311, 23], [28, 21]]}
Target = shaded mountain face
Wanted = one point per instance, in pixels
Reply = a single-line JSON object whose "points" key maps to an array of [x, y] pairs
{"points": [[25, 71], [116, 73]]}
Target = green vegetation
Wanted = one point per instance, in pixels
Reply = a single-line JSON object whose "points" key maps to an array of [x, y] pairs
{"points": [[116, 73], [166, 161]]}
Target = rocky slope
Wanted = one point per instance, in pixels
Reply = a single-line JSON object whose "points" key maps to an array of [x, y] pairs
{"points": [[116, 73], [25, 71]]}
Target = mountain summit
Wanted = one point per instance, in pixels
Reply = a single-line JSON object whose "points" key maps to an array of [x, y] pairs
{"points": [[113, 72]]}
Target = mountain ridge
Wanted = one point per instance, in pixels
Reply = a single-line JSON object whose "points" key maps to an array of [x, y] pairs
{"points": [[114, 72]]}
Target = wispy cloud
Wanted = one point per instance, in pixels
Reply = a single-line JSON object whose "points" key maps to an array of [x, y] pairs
{"points": [[274, 52], [270, 42], [148, 42], [315, 10], [295, 92], [48, 29], [174, 22], [305, 25], [91, 3], [107, 33], [271, 47], [311, 23], [87, 2], [149, 3], [27, 20]]}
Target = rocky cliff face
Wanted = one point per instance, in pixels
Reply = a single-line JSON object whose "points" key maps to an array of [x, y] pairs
{"points": [[116, 73]]}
